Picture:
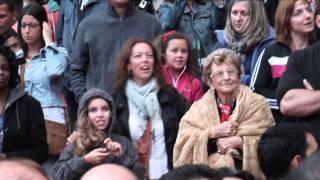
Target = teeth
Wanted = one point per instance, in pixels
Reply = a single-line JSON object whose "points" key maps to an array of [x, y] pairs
{"points": [[144, 68]]}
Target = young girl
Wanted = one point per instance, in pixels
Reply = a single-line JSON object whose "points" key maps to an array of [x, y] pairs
{"points": [[93, 144], [41, 76], [179, 67]]}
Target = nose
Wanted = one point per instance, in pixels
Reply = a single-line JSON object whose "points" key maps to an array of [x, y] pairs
{"points": [[226, 75], [27, 29], [99, 113], [308, 14]]}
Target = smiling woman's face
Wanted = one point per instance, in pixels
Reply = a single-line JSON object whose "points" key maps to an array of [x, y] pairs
{"points": [[224, 78], [141, 63]]}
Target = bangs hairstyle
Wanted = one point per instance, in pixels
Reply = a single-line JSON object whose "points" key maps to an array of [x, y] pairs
{"points": [[122, 75], [218, 57], [39, 13], [282, 20], [88, 136], [162, 43]]}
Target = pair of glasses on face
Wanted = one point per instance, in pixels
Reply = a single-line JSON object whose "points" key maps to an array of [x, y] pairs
{"points": [[220, 74], [31, 25]]}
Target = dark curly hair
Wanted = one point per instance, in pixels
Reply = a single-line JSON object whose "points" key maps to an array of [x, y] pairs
{"points": [[13, 67]]}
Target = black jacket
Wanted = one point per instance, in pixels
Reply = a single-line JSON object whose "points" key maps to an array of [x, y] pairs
{"points": [[173, 107], [24, 129], [302, 64]]}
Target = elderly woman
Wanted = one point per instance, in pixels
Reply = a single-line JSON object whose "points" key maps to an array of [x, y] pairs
{"points": [[148, 110], [247, 32], [222, 129]]}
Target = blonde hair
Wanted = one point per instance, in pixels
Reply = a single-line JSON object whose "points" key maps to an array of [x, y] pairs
{"points": [[89, 137], [220, 56], [257, 28]]}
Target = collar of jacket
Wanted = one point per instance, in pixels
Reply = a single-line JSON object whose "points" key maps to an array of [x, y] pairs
{"points": [[111, 11]]}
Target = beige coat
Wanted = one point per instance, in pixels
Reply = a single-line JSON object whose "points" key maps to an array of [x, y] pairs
{"points": [[253, 116]]}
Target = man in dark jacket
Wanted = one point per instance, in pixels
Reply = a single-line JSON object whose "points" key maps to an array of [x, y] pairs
{"points": [[299, 88], [99, 38]]}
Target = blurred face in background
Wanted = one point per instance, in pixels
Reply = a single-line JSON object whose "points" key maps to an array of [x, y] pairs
{"points": [[7, 19], [302, 19], [31, 30], [4, 72], [240, 16]]}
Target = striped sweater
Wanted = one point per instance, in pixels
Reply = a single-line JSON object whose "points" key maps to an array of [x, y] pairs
{"points": [[269, 68]]}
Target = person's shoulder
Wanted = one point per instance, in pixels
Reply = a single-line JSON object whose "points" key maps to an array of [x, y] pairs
{"points": [[277, 47], [308, 53], [145, 16]]}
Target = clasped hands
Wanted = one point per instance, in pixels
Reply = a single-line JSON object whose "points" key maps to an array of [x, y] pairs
{"points": [[225, 135]]}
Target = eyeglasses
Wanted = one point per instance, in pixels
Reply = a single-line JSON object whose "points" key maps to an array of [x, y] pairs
{"points": [[220, 74], [31, 25]]}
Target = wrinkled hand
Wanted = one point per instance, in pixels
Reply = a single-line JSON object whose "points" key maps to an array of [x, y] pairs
{"points": [[96, 156], [72, 137], [225, 129], [113, 147], [227, 143], [47, 33]]}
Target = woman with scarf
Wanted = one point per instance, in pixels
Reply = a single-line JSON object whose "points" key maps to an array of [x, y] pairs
{"points": [[148, 110], [223, 128], [247, 32]]}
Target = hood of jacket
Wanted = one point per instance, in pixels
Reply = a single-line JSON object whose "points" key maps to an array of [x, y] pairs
{"points": [[98, 93], [14, 95]]}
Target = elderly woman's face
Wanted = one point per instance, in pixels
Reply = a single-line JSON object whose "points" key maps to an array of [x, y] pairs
{"points": [[224, 78], [141, 63], [240, 16]]}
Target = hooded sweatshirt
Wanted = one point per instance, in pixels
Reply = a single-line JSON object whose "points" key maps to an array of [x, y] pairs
{"points": [[24, 132], [72, 166]]}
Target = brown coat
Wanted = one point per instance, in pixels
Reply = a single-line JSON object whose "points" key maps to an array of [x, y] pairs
{"points": [[253, 116]]}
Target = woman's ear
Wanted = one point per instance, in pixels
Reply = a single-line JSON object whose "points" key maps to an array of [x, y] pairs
{"points": [[296, 161]]}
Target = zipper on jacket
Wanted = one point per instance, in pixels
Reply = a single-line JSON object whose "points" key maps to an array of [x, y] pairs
{"points": [[17, 114]]}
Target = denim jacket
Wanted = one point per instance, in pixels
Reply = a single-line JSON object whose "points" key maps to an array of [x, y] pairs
{"points": [[43, 78], [199, 24]]}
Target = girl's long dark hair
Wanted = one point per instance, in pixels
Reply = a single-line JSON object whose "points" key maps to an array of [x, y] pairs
{"points": [[39, 13]]}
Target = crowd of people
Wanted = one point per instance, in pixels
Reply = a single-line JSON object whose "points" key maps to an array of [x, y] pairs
{"points": [[151, 89]]}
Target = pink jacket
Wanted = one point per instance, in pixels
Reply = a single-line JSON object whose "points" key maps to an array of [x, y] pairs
{"points": [[186, 84]]}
